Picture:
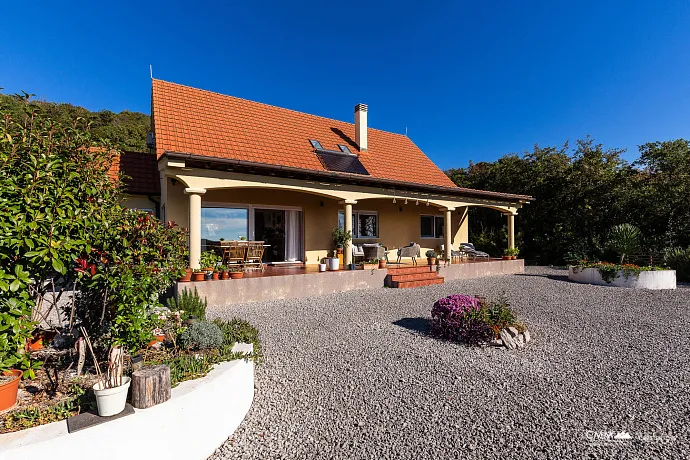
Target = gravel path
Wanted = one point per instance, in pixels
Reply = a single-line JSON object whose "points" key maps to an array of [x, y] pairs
{"points": [[349, 376]]}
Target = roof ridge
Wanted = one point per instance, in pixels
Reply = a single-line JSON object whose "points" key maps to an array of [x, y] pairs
{"points": [[275, 106]]}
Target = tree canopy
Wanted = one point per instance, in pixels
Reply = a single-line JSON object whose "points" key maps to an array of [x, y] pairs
{"points": [[580, 193]]}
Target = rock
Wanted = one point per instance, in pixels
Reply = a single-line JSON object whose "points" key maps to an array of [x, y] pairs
{"points": [[512, 331], [496, 343], [520, 341], [527, 335], [507, 339]]}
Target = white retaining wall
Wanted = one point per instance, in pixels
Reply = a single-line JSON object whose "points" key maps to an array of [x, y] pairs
{"points": [[656, 279], [198, 418]]}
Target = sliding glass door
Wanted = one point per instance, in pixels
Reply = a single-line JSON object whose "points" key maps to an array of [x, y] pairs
{"points": [[223, 223]]}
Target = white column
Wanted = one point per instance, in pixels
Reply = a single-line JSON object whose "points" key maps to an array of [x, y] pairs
{"points": [[347, 249], [448, 234], [194, 225], [511, 230]]}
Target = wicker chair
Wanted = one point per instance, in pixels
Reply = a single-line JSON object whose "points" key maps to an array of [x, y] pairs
{"points": [[374, 251], [413, 251]]}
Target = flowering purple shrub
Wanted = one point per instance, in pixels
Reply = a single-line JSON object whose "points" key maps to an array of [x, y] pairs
{"points": [[461, 318]]}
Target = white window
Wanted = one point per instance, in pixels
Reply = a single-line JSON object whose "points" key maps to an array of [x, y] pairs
{"points": [[365, 224], [432, 226]]}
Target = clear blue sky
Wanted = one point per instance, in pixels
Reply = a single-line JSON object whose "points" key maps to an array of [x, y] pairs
{"points": [[470, 81]]}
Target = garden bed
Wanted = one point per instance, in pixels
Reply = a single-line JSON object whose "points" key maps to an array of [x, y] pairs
{"points": [[623, 276]]}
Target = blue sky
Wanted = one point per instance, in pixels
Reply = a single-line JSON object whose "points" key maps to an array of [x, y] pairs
{"points": [[469, 80]]}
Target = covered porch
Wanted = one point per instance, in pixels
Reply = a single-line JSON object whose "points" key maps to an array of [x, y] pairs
{"points": [[294, 216]]}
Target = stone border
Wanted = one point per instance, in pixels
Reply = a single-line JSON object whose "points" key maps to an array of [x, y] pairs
{"points": [[656, 279], [198, 418]]}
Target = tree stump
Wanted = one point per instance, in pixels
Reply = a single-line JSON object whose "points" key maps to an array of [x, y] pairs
{"points": [[150, 386]]}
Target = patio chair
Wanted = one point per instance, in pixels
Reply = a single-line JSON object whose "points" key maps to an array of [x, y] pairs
{"points": [[234, 252], [374, 251], [357, 252], [254, 258], [473, 253], [413, 250]]}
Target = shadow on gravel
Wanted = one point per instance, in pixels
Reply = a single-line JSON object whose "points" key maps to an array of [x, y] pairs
{"points": [[417, 325], [551, 277]]}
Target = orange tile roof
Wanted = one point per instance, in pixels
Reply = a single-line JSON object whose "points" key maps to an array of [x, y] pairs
{"points": [[141, 171], [199, 122]]}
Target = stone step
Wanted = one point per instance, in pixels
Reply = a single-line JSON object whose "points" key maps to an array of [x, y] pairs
{"points": [[411, 270], [416, 284], [413, 276]]}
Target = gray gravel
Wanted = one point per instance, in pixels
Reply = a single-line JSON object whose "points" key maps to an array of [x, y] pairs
{"points": [[349, 376]]}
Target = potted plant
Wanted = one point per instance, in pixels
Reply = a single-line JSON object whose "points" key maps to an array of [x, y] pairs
{"points": [[333, 262], [340, 239], [215, 275], [187, 275], [9, 385], [236, 273], [431, 257], [322, 265], [112, 387], [208, 260], [370, 264], [224, 275], [511, 254], [382, 263], [199, 274]]}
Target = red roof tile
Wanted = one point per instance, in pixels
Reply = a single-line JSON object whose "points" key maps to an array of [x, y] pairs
{"points": [[141, 171], [194, 121]]}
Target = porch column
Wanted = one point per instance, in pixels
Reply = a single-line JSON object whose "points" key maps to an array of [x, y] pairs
{"points": [[511, 230], [347, 249], [447, 235], [194, 225]]}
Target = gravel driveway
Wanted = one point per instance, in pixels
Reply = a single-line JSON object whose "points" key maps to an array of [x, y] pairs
{"points": [[350, 376]]}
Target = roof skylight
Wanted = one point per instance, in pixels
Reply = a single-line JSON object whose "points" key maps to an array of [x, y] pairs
{"points": [[344, 148], [316, 144]]}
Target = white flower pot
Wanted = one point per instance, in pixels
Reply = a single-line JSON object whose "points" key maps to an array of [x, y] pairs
{"points": [[322, 267], [111, 401], [333, 263]]}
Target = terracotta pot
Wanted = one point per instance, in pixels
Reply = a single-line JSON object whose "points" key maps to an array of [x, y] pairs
{"points": [[431, 260], [215, 276], [382, 264], [198, 276], [35, 343], [208, 269], [187, 276], [225, 275], [156, 339], [236, 275], [8, 391], [513, 257], [507, 257]]}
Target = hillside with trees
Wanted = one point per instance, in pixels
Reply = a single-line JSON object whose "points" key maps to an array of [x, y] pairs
{"points": [[125, 130], [580, 193]]}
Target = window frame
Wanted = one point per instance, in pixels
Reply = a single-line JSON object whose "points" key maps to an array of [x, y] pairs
{"points": [[433, 226], [355, 226]]}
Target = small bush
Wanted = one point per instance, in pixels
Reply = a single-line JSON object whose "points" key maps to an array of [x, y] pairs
{"points": [[200, 335], [189, 304], [679, 260], [431, 254], [468, 319]]}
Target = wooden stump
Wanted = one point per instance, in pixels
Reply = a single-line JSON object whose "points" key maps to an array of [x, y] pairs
{"points": [[150, 386]]}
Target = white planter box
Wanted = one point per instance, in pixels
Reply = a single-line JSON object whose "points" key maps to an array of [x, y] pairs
{"points": [[199, 417], [657, 279]]}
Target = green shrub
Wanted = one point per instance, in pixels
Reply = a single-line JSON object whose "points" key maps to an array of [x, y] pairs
{"points": [[624, 239], [189, 303], [209, 259], [431, 254], [240, 331], [679, 260], [200, 335]]}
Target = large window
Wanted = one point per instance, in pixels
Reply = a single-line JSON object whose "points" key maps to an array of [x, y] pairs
{"points": [[365, 224], [432, 226], [226, 223]]}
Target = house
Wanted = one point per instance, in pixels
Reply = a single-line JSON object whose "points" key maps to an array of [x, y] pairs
{"points": [[142, 185], [231, 168]]}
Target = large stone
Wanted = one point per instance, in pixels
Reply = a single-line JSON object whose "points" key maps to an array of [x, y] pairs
{"points": [[520, 341], [527, 335], [507, 339], [512, 331], [496, 343]]}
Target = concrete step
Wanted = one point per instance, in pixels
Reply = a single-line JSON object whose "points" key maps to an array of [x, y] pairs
{"points": [[416, 284], [414, 276], [411, 270]]}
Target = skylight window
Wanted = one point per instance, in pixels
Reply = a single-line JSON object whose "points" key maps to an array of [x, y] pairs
{"points": [[344, 149], [316, 144]]}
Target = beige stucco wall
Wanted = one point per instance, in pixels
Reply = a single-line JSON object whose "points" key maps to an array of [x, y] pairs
{"points": [[399, 223], [138, 202]]}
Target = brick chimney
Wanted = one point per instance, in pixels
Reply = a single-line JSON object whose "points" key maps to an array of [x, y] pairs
{"points": [[361, 126]]}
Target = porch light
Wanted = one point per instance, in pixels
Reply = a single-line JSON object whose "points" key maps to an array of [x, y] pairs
{"points": [[417, 202], [427, 201], [393, 197], [405, 200]]}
